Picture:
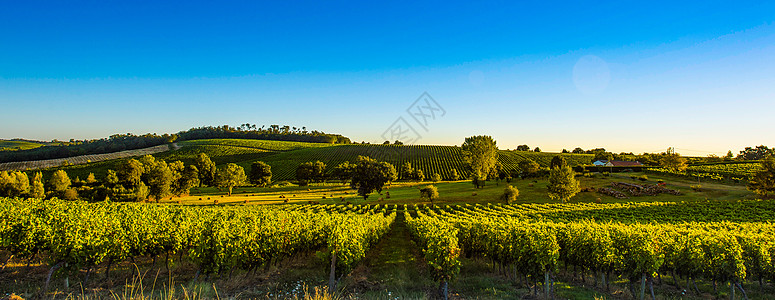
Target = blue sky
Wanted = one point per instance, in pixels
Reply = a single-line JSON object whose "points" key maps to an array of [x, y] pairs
{"points": [[698, 76]]}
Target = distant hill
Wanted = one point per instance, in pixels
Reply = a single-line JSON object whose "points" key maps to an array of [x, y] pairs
{"points": [[123, 142], [284, 156], [19, 144]]}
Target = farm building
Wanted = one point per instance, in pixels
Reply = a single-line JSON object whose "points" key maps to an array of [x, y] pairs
{"points": [[617, 163]]}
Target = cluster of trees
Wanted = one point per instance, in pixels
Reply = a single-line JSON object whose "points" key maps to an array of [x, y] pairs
{"points": [[406, 172], [272, 132], [754, 153], [115, 143], [365, 174], [527, 148], [135, 180]]}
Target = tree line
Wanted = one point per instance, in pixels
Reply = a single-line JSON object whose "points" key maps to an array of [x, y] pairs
{"points": [[135, 180]]}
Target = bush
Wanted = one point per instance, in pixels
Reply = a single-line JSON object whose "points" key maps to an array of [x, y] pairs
{"points": [[70, 194], [429, 192], [643, 177], [510, 194], [696, 187], [436, 177]]}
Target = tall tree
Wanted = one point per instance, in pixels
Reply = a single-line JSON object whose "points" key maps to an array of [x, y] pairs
{"points": [[557, 161], [183, 178], [159, 178], [760, 152], [529, 167], [37, 189], [562, 182], [130, 173], [260, 174], [481, 154], [763, 182], [206, 169], [523, 148], [343, 171], [59, 182], [14, 184], [673, 161], [602, 155], [230, 176], [406, 171], [369, 176]]}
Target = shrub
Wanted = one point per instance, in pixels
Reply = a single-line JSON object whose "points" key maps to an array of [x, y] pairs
{"points": [[510, 194], [643, 177], [429, 192], [436, 177], [696, 187], [70, 194]]}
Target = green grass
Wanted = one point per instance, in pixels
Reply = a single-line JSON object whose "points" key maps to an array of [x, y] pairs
{"points": [[18, 145], [454, 192]]}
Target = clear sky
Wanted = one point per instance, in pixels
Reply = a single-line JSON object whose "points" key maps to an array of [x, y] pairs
{"points": [[627, 76]]}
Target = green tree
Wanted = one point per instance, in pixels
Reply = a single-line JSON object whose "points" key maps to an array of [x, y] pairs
{"points": [[111, 178], [230, 176], [59, 182], [369, 176], [207, 169], [130, 173], [523, 148], [510, 194], [763, 182], [757, 153], [37, 190], [429, 193], [343, 171], [562, 183], [388, 171], [14, 184], [260, 174], [729, 156], [602, 155], [454, 175], [578, 150], [159, 179], [183, 178], [529, 167], [419, 175], [436, 177], [407, 172], [90, 179], [557, 160], [673, 161], [537, 149], [481, 154], [319, 173], [305, 173]]}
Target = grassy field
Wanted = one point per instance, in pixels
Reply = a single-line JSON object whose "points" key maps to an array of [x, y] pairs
{"points": [[451, 192], [6, 145]]}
